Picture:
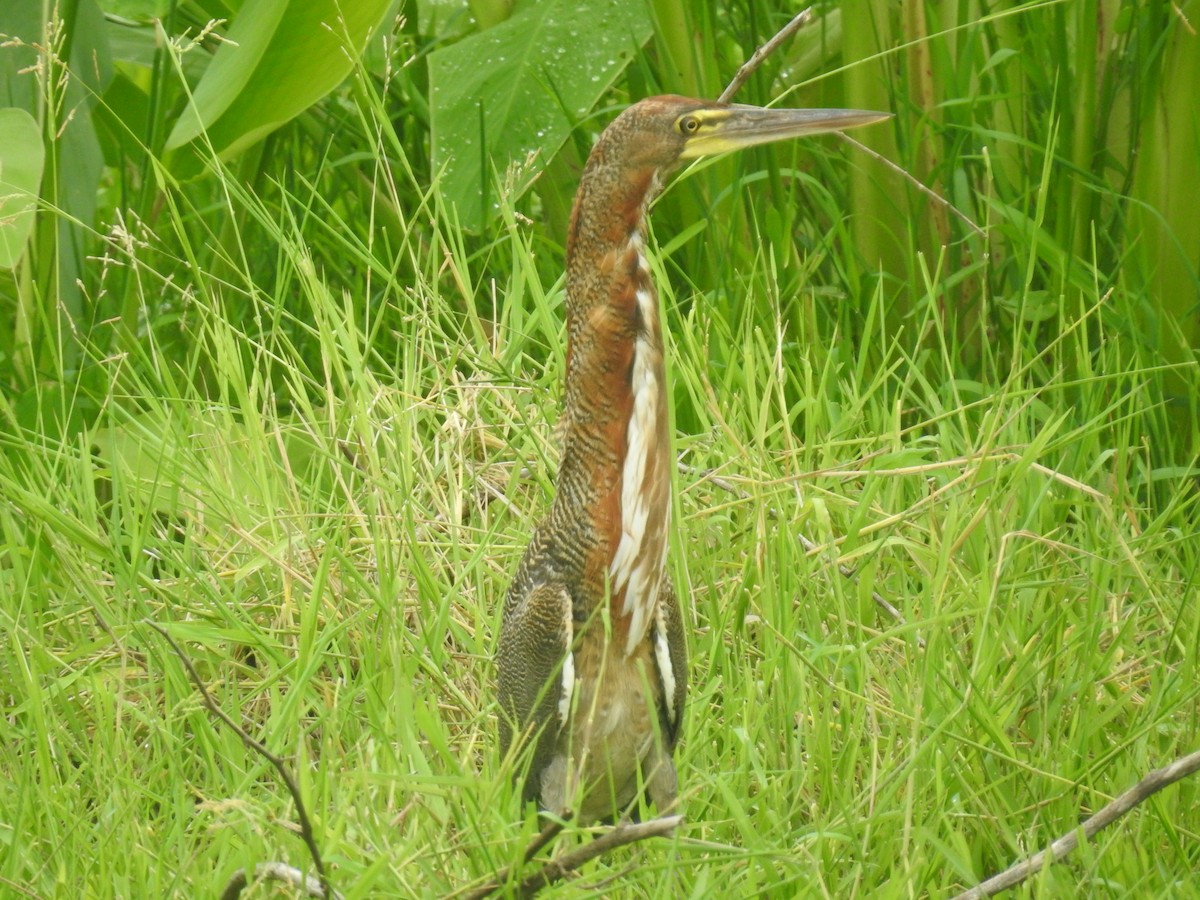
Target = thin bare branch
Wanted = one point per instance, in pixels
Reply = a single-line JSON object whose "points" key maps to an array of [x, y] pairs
{"points": [[849, 573], [756, 59], [306, 829], [625, 833], [1147, 787], [549, 832], [273, 871], [903, 173]]}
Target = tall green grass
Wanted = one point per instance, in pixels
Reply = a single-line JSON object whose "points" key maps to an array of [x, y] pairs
{"points": [[315, 439]]}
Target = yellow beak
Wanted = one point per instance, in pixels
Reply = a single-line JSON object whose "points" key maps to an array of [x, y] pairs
{"points": [[723, 130]]}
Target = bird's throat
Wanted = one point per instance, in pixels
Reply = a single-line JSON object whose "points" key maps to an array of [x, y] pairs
{"points": [[639, 557], [617, 444]]}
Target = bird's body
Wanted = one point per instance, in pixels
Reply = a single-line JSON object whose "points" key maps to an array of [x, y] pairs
{"points": [[592, 659]]}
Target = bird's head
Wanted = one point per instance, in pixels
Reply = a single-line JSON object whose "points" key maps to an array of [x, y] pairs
{"points": [[660, 132]]}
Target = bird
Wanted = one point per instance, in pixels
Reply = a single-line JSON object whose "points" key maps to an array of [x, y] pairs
{"points": [[591, 659]]}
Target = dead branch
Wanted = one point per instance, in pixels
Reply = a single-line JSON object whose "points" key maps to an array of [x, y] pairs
{"points": [[276, 871], [625, 833], [803, 18], [560, 867], [756, 59], [548, 833], [1147, 787], [911, 179]]}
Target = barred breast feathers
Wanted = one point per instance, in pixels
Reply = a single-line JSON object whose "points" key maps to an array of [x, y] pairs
{"points": [[639, 558]]}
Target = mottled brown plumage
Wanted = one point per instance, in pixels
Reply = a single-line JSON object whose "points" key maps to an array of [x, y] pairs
{"points": [[592, 658]]}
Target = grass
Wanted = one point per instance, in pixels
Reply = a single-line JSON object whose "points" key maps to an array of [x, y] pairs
{"points": [[330, 539], [320, 477]]}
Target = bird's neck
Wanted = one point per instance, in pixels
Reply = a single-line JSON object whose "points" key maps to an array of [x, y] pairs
{"points": [[616, 464]]}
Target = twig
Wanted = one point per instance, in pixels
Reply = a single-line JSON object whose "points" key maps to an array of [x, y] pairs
{"points": [[903, 173], [561, 866], [756, 59], [848, 572], [274, 871], [803, 18], [240, 880], [548, 833], [625, 833], [1148, 786], [809, 546]]}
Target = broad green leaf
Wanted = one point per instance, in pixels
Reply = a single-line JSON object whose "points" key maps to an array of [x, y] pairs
{"points": [[22, 27], [489, 13], [279, 59], [64, 94], [22, 158], [443, 20], [137, 10], [506, 99], [122, 120]]}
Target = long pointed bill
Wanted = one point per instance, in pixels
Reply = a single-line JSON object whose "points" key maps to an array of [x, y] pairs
{"points": [[736, 127]]}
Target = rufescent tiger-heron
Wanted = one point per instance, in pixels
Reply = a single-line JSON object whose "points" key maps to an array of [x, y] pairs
{"points": [[592, 659]]}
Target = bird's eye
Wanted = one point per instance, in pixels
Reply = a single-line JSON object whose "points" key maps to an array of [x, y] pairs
{"points": [[689, 124]]}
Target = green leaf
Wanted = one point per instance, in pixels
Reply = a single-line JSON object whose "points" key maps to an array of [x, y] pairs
{"points": [[122, 120], [499, 96], [138, 10], [22, 159], [279, 59]]}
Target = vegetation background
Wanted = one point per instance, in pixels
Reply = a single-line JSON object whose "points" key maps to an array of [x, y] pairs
{"points": [[281, 347]]}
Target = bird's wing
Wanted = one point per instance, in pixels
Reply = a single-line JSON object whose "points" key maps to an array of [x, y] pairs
{"points": [[535, 670], [670, 657]]}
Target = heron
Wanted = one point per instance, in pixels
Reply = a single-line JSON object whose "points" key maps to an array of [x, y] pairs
{"points": [[592, 655]]}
